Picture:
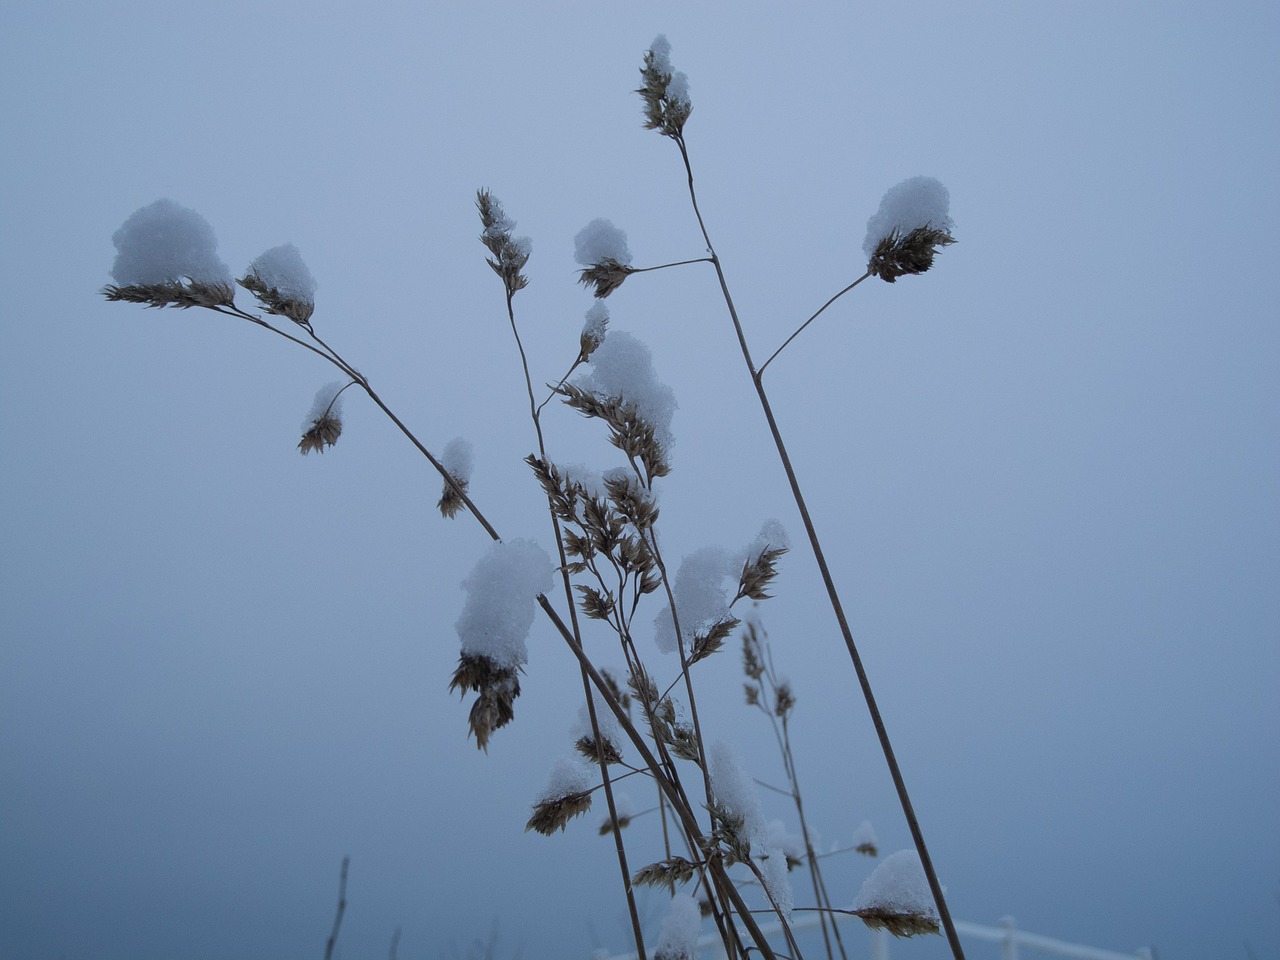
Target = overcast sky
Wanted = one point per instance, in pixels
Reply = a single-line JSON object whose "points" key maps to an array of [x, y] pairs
{"points": [[1047, 471]]}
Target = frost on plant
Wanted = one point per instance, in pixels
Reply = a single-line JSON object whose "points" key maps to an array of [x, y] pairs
{"points": [[905, 234], [167, 256], [896, 897], [282, 283], [323, 424], [501, 590], [458, 461], [566, 795], [601, 248]]}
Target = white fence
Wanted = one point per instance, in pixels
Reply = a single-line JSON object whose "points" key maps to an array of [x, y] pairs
{"points": [[1010, 938]]}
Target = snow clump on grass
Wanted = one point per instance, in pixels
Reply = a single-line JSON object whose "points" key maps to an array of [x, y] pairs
{"points": [[501, 590], [165, 242], [678, 938], [622, 370], [599, 241], [917, 202], [281, 269], [897, 897]]}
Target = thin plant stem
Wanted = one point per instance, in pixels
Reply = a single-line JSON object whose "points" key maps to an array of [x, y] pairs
{"points": [[800, 329], [606, 781], [663, 266], [837, 607], [342, 908]]}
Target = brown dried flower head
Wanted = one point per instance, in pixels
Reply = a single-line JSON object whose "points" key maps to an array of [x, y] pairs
{"points": [[665, 91], [555, 814], [451, 501], [498, 688], [665, 873], [323, 432], [173, 293], [606, 276], [899, 924], [900, 253], [509, 255]]}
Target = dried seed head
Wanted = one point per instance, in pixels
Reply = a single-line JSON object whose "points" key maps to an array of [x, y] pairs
{"points": [[509, 255], [598, 751], [173, 293], [606, 276], [784, 699], [498, 687], [900, 254], [665, 873], [323, 432], [665, 91], [899, 924], [552, 815]]}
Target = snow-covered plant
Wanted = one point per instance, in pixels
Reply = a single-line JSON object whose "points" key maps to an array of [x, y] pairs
{"points": [[604, 572]]}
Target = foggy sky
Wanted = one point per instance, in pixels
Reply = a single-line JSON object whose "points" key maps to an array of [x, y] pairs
{"points": [[1046, 472]]}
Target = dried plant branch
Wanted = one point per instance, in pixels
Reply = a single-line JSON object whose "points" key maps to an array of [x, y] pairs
{"points": [[342, 908]]}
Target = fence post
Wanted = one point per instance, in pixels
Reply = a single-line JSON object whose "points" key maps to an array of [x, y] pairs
{"points": [[879, 944], [1009, 945]]}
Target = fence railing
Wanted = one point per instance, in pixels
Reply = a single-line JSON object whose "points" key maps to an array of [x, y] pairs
{"points": [[1007, 934]]}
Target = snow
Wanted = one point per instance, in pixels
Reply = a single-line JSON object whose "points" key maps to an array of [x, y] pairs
{"points": [[282, 268], [597, 320], [459, 459], [865, 834], [605, 720], [567, 777], [678, 88], [898, 885], [733, 789], [325, 401], [678, 938], [499, 609], [705, 582], [622, 368], [910, 204], [600, 240], [700, 595], [772, 862], [164, 241]]}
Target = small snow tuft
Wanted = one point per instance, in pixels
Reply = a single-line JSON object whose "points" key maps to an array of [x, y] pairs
{"points": [[163, 242], [501, 589], [678, 938], [326, 401], [567, 777], [916, 202], [600, 240], [282, 269], [459, 459]]}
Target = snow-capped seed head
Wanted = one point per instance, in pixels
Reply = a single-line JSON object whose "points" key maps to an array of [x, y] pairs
{"points": [[905, 234], [566, 795], [665, 91], [593, 330], [600, 240], [897, 897], [166, 256], [323, 424], [509, 255], [282, 283], [458, 460]]}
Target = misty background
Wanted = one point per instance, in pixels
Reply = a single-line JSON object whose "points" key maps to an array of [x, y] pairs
{"points": [[1046, 472]]}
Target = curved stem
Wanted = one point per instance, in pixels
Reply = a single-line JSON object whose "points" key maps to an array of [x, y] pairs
{"points": [[837, 607], [800, 329]]}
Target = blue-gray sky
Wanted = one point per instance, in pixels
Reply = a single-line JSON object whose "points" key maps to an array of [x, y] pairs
{"points": [[1047, 470]]}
